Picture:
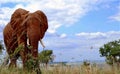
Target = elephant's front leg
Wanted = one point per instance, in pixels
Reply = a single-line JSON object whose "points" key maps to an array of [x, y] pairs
{"points": [[13, 61], [34, 49], [23, 52], [34, 52]]}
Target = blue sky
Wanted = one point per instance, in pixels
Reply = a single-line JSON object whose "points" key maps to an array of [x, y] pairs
{"points": [[74, 25], [97, 19]]}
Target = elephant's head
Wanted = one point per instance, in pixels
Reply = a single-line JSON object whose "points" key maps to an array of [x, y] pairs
{"points": [[36, 23], [17, 17], [43, 20]]}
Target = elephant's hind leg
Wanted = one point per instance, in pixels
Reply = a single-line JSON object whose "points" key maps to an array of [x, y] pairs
{"points": [[13, 61]]}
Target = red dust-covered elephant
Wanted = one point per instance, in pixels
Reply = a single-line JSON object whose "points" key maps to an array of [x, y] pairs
{"points": [[10, 41], [10, 36], [28, 27]]}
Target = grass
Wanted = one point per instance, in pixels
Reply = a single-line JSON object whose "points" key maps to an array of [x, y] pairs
{"points": [[82, 69]]}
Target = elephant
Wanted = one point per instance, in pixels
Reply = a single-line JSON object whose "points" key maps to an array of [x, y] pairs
{"points": [[35, 25], [10, 36], [11, 44], [27, 28]]}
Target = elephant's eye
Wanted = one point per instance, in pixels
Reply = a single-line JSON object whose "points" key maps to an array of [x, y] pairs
{"points": [[41, 25]]}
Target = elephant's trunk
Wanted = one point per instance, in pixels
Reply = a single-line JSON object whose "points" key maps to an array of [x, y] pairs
{"points": [[42, 43]]}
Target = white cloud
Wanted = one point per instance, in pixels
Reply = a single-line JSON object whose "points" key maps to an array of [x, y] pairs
{"points": [[60, 12], [63, 35], [116, 17], [98, 34], [53, 26], [15, 1], [91, 35], [79, 46], [5, 14]]}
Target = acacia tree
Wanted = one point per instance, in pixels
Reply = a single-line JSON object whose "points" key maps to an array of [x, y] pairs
{"points": [[111, 51], [46, 56]]}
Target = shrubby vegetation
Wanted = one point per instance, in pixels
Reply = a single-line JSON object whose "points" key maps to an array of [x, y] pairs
{"points": [[111, 51], [46, 56], [1, 46], [80, 69]]}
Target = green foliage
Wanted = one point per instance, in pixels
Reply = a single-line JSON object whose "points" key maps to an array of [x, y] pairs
{"points": [[1, 46], [30, 64], [111, 51], [45, 56], [17, 50], [77, 69], [86, 63]]}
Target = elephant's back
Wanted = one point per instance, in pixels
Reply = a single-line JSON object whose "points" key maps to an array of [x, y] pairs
{"points": [[7, 30], [7, 33]]}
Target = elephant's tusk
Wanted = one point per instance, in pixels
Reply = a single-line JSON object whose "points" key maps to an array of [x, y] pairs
{"points": [[42, 43], [28, 43]]}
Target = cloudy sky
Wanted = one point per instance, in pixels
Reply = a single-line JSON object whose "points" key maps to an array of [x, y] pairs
{"points": [[77, 28]]}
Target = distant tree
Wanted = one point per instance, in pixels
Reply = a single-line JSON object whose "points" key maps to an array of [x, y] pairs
{"points": [[86, 63], [111, 51], [1, 46], [46, 56]]}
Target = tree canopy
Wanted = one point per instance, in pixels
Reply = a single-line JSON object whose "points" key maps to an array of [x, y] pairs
{"points": [[111, 51], [45, 56]]}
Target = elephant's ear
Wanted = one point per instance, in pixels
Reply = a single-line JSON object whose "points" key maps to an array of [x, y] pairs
{"points": [[16, 17], [43, 18]]}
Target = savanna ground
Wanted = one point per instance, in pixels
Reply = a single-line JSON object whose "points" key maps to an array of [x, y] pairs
{"points": [[67, 69]]}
